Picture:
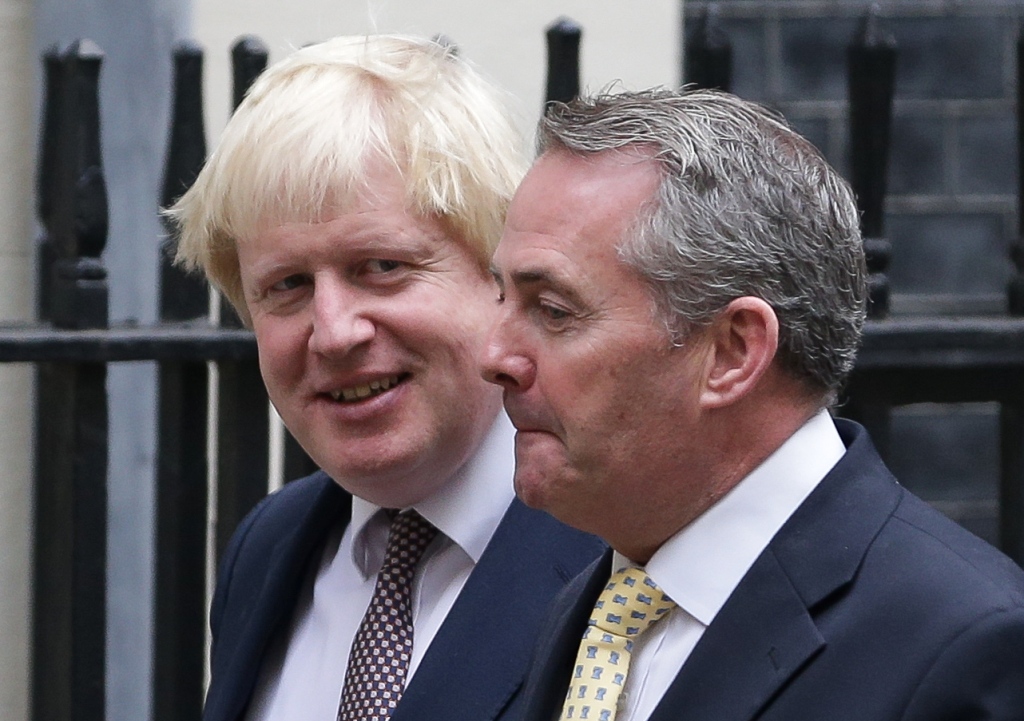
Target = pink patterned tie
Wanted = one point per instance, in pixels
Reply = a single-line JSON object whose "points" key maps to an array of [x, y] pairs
{"points": [[379, 660]]}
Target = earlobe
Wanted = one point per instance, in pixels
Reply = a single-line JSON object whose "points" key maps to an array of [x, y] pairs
{"points": [[743, 341]]}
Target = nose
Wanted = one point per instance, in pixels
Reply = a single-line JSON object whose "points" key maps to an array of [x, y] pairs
{"points": [[340, 319], [503, 364]]}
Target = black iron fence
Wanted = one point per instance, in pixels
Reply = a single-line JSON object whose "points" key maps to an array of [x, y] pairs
{"points": [[924, 358], [71, 347], [909, 360]]}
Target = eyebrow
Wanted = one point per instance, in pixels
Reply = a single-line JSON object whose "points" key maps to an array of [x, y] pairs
{"points": [[537, 276], [524, 277]]}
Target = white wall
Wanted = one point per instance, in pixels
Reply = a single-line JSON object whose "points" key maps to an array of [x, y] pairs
{"points": [[635, 42], [17, 140]]}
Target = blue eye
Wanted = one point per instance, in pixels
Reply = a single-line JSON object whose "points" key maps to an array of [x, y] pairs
{"points": [[291, 282]]}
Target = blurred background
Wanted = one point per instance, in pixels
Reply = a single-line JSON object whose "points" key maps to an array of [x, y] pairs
{"points": [[950, 210]]}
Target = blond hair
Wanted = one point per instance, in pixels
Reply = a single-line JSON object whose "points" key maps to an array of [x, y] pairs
{"points": [[297, 148]]}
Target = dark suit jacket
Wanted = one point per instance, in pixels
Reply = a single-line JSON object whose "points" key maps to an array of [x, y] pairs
{"points": [[474, 667], [867, 606]]}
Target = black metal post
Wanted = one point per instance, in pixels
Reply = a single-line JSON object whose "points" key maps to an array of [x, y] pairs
{"points": [[181, 517], [871, 64], [243, 414], [1011, 494], [563, 84], [1011, 491], [46, 173], [708, 61], [249, 57], [872, 70], [448, 43], [183, 296], [242, 454], [1015, 291], [69, 626]]}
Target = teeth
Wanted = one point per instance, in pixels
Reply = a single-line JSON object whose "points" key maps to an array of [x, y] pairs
{"points": [[366, 390]]}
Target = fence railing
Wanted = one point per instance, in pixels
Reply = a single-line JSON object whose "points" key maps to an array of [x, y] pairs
{"points": [[71, 347], [909, 360]]}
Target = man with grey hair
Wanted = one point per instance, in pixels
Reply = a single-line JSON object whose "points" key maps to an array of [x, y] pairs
{"points": [[683, 292]]}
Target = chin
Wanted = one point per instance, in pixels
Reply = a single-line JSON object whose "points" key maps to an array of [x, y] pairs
{"points": [[529, 496], [387, 488], [536, 489]]}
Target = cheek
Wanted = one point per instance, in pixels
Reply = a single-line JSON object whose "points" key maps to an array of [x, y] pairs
{"points": [[479, 304], [579, 377], [463, 328], [602, 399], [280, 350]]}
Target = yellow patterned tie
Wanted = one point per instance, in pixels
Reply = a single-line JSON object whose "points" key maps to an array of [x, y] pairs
{"points": [[627, 607]]}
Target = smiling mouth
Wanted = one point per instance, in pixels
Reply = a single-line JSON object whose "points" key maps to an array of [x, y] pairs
{"points": [[358, 393]]}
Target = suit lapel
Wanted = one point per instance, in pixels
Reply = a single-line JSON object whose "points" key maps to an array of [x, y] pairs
{"points": [[766, 632], [293, 549], [760, 638], [559, 641], [479, 658]]}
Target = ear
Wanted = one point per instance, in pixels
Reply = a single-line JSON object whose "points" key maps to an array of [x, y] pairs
{"points": [[743, 340]]}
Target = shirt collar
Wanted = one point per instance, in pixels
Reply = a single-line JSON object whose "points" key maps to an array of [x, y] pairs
{"points": [[467, 509], [701, 565]]}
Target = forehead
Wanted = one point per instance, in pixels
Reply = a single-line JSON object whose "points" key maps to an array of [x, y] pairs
{"points": [[572, 212]]}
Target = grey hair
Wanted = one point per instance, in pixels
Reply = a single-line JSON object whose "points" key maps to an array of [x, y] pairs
{"points": [[746, 207]]}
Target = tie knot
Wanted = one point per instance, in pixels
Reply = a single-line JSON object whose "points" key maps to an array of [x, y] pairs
{"points": [[408, 538], [630, 603]]}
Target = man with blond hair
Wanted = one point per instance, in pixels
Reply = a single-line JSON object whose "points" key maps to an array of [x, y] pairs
{"points": [[683, 295], [349, 213]]}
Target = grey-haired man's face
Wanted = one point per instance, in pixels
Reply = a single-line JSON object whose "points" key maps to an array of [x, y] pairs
{"points": [[604, 406]]}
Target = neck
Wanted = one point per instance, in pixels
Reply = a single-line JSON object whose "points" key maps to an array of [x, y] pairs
{"points": [[733, 442]]}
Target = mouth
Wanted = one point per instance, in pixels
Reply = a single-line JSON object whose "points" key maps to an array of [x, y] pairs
{"points": [[355, 394]]}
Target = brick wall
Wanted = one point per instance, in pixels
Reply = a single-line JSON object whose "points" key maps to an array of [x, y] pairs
{"points": [[951, 212]]}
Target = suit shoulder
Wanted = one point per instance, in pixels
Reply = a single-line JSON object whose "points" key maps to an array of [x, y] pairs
{"points": [[936, 550], [537, 533], [274, 517], [544, 523], [292, 500], [980, 674]]}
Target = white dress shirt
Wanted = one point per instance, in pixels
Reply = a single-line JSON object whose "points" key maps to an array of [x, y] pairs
{"points": [[701, 565], [303, 674]]}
